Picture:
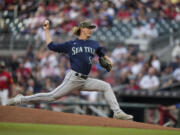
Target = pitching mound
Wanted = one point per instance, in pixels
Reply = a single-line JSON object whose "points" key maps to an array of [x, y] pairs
{"points": [[28, 115]]}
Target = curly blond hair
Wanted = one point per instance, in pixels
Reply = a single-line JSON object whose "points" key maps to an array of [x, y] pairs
{"points": [[76, 31]]}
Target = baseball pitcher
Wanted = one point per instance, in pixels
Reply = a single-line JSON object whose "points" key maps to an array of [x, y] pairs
{"points": [[81, 52]]}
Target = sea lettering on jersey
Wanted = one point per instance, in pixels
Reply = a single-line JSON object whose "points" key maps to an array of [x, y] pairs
{"points": [[76, 50]]}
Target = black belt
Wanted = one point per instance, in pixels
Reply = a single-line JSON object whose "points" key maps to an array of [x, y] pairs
{"points": [[81, 75]]}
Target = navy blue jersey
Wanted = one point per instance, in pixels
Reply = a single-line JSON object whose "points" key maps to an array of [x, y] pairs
{"points": [[81, 53]]}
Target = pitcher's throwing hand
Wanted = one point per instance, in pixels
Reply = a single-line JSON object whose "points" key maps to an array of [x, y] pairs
{"points": [[46, 25]]}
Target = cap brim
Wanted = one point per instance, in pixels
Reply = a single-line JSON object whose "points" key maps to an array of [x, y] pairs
{"points": [[91, 27]]}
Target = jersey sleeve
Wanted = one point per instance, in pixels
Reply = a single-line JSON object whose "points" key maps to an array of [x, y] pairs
{"points": [[100, 51], [61, 48]]}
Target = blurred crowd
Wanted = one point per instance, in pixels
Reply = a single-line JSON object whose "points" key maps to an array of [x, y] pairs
{"points": [[132, 69], [65, 14]]}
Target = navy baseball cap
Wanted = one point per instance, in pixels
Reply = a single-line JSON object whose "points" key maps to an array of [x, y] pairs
{"points": [[84, 24]]}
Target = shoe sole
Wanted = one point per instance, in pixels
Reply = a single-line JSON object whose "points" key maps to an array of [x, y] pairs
{"points": [[131, 119]]}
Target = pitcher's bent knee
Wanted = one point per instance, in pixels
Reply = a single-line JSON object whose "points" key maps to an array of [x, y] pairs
{"points": [[107, 86]]}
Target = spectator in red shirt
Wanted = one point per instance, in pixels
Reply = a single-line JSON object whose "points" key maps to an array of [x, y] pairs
{"points": [[170, 12], [123, 14], [5, 83], [23, 73]]}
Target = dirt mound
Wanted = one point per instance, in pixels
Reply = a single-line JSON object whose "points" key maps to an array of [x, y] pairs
{"points": [[28, 115]]}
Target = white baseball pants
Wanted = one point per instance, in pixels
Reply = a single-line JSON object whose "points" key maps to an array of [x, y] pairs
{"points": [[73, 82], [4, 96]]}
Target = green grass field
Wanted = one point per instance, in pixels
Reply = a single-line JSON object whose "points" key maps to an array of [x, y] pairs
{"points": [[44, 129]]}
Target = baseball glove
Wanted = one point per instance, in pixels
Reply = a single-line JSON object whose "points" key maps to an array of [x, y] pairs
{"points": [[105, 63]]}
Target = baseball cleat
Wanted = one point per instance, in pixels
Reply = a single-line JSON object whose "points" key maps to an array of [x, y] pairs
{"points": [[15, 100], [123, 116]]}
